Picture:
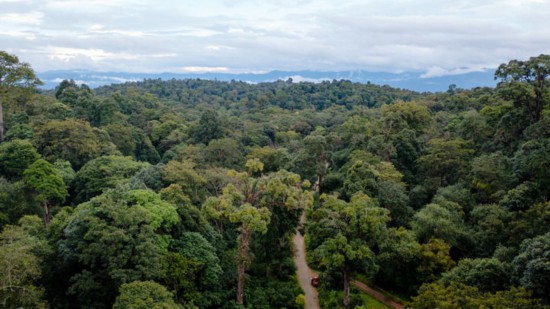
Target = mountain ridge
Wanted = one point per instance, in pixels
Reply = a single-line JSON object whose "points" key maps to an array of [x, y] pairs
{"points": [[415, 81]]}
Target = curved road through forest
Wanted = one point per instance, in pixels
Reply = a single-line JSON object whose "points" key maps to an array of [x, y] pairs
{"points": [[305, 274]]}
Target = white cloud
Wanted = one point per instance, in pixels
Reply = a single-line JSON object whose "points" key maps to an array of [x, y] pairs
{"points": [[432, 36], [299, 78], [33, 18], [199, 69], [438, 71]]}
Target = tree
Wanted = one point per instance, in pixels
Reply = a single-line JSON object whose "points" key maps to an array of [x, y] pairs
{"points": [[526, 83], [208, 128], [144, 294], [531, 268], [115, 238], [348, 234], [48, 183], [246, 201], [14, 74], [103, 173], [457, 295], [15, 157], [438, 221], [434, 259], [486, 274], [185, 175], [71, 140], [20, 269], [446, 159], [398, 256], [196, 256]]}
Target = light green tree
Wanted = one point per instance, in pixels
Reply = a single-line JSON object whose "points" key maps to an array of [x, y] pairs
{"points": [[144, 294], [14, 74], [20, 268], [44, 178], [348, 233], [247, 201], [15, 157]]}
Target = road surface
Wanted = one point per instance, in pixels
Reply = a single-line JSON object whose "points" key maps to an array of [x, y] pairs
{"points": [[303, 272], [379, 296]]}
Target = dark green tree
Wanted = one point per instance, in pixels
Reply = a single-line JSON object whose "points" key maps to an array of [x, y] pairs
{"points": [[208, 128], [115, 238], [526, 83]]}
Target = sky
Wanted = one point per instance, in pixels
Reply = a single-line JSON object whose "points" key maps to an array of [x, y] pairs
{"points": [[435, 37]]}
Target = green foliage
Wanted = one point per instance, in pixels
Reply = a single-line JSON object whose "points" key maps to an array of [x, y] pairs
{"points": [[437, 295], [46, 180], [208, 128], [185, 175], [180, 274], [399, 245], [103, 173], [71, 140], [20, 269], [204, 267], [115, 238], [144, 294], [434, 259], [437, 221], [15, 157], [488, 274], [531, 267], [526, 83], [348, 234], [14, 74], [467, 170], [19, 131]]}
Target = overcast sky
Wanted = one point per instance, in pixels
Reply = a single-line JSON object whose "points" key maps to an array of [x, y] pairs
{"points": [[436, 37]]}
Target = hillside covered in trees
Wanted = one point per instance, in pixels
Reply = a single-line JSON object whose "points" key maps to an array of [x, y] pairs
{"points": [[186, 193]]}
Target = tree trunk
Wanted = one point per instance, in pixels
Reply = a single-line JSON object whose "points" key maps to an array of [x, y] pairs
{"points": [[46, 213], [346, 287], [242, 261], [1, 122]]}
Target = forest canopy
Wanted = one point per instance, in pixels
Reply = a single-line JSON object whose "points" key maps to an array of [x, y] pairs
{"points": [[186, 193]]}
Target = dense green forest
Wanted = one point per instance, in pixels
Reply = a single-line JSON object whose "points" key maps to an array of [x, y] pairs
{"points": [[186, 193]]}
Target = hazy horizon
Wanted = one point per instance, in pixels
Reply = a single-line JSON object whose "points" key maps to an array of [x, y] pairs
{"points": [[437, 38]]}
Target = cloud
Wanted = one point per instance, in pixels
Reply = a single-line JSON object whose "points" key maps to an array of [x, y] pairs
{"points": [[198, 69], [32, 18], [438, 71], [431, 36]]}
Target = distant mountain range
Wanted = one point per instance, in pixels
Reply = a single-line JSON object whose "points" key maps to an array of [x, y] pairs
{"points": [[406, 80]]}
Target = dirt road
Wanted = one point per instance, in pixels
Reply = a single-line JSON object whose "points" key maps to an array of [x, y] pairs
{"points": [[379, 296], [303, 272]]}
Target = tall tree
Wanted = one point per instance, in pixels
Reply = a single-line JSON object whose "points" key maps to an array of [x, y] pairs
{"points": [[43, 177], [526, 83], [347, 234], [247, 202], [14, 74]]}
